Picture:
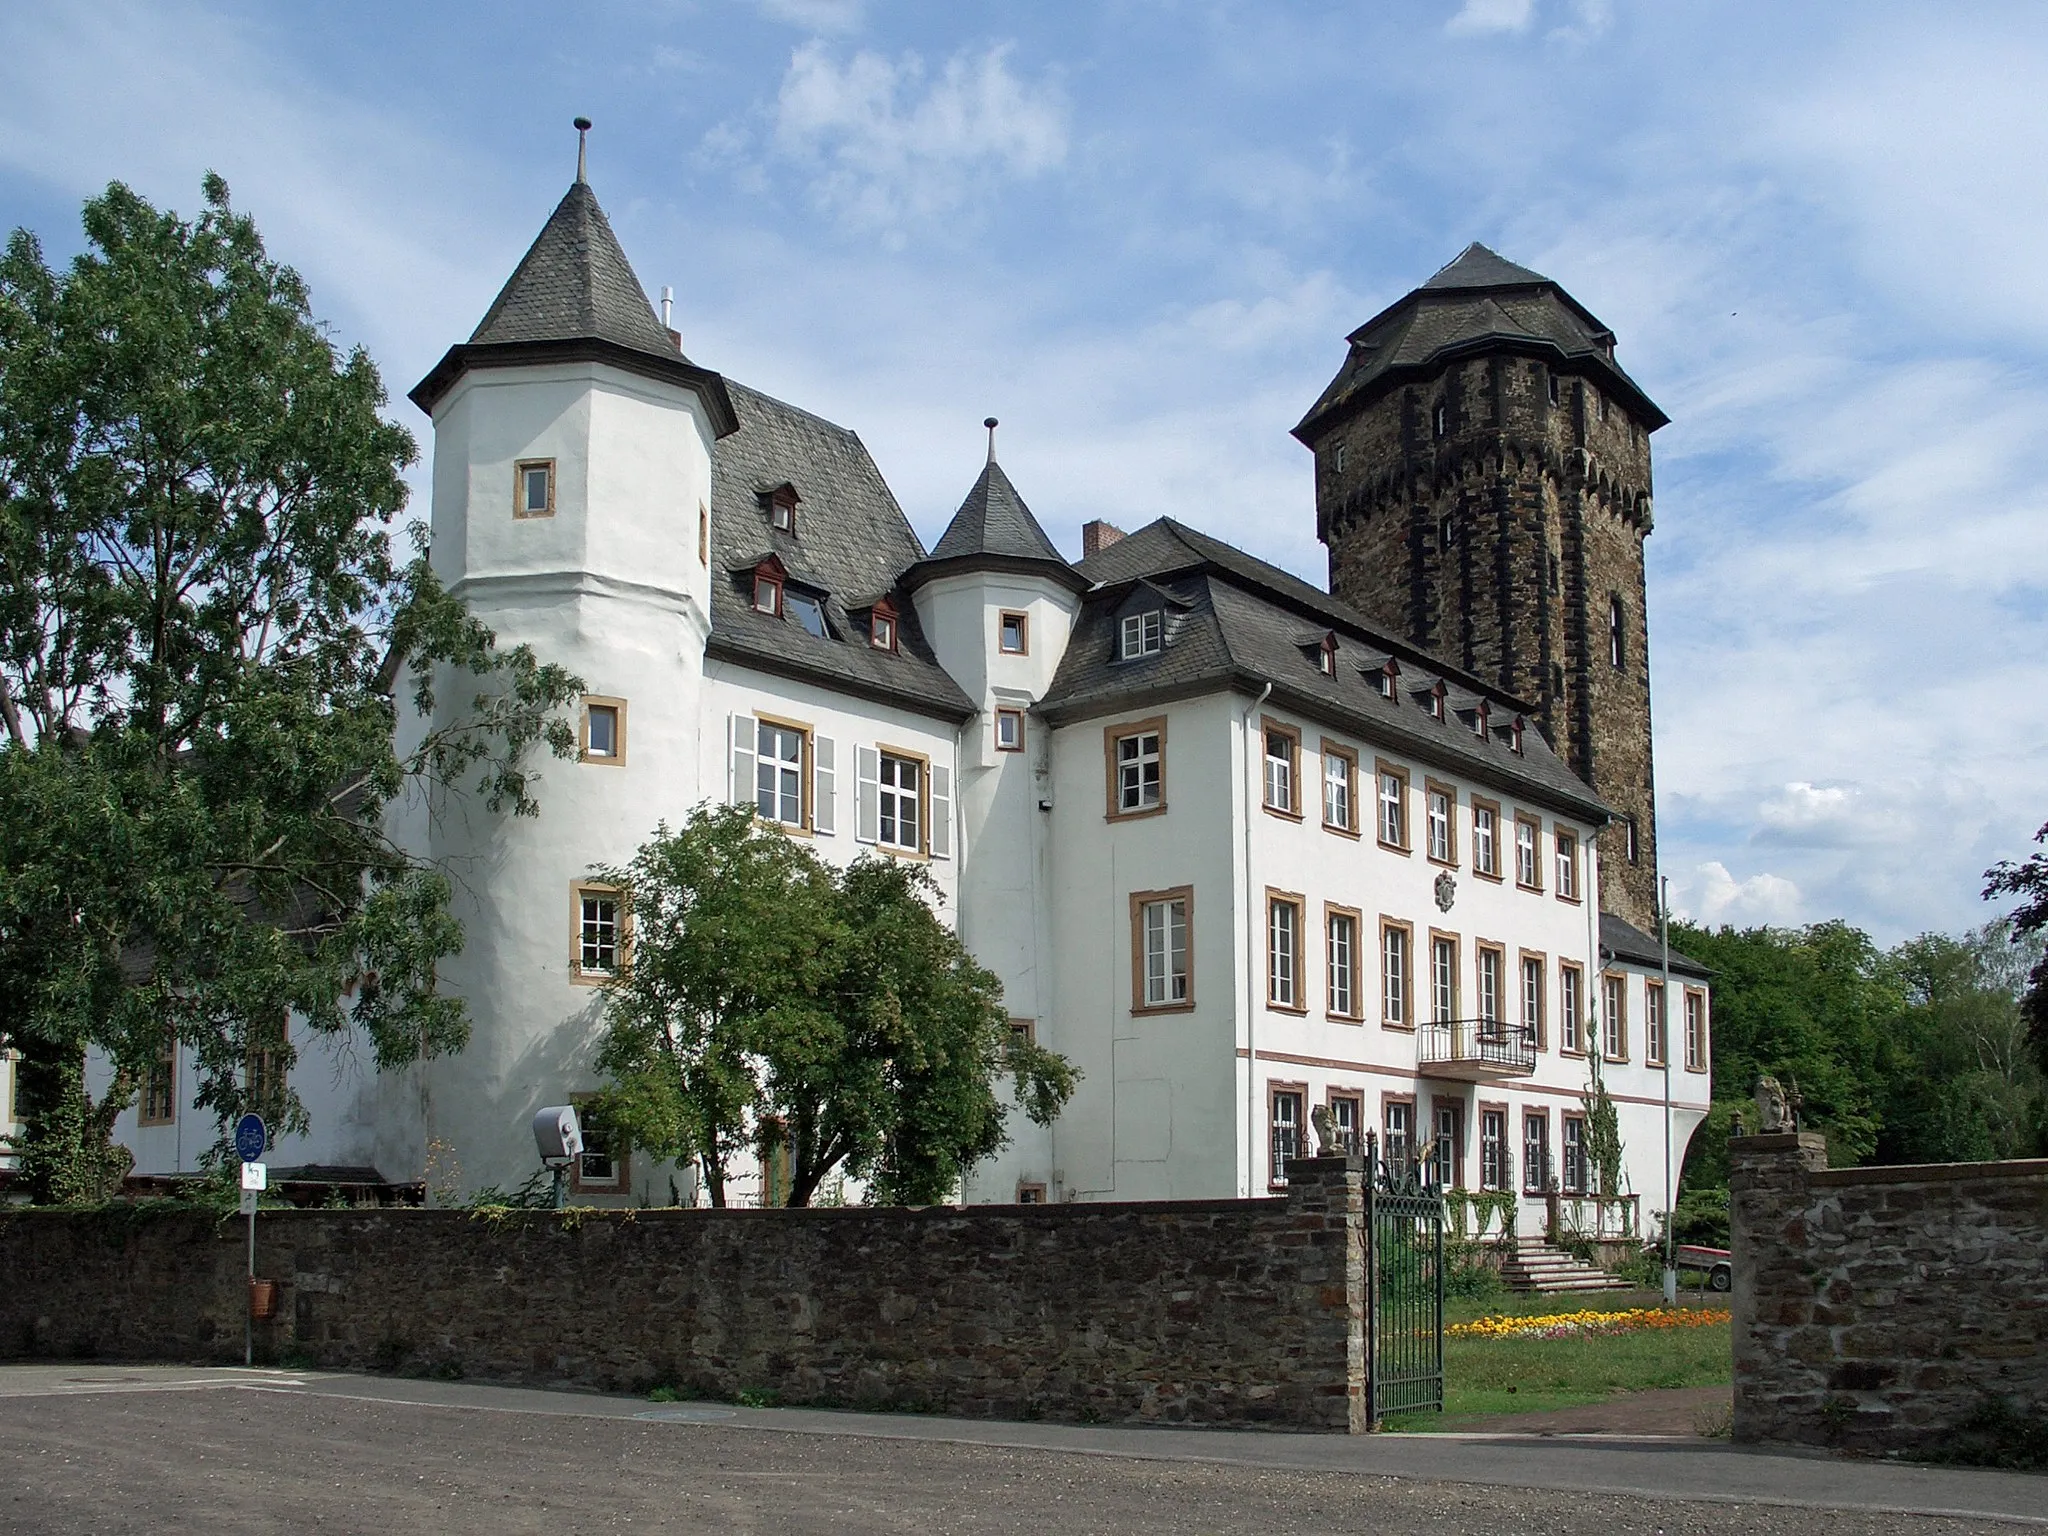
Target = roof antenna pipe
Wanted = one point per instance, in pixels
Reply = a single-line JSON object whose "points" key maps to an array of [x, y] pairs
{"points": [[582, 125], [991, 423], [668, 300]]}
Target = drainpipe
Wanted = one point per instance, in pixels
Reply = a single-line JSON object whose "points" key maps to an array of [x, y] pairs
{"points": [[1251, 964]]}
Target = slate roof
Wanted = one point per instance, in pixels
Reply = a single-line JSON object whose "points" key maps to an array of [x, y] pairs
{"points": [[1481, 302], [1247, 623], [1624, 941], [995, 530], [574, 296], [851, 545]]}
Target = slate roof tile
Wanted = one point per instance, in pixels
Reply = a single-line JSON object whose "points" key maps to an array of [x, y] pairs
{"points": [[574, 283]]}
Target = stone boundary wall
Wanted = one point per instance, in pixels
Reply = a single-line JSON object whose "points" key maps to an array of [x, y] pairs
{"points": [[1210, 1312], [1884, 1309]]}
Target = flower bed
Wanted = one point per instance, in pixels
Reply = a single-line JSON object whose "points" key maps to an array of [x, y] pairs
{"points": [[1579, 1325]]}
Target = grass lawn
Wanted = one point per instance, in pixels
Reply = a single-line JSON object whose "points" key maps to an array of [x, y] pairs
{"points": [[1485, 1376]]}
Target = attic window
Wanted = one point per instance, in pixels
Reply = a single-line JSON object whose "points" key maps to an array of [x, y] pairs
{"points": [[1142, 634], [1436, 701], [780, 504], [1479, 719], [1387, 678], [767, 593], [1515, 735], [1440, 420], [807, 611], [1326, 656], [882, 626]]}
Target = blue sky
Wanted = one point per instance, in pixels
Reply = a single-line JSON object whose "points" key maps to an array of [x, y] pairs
{"points": [[1138, 232]]}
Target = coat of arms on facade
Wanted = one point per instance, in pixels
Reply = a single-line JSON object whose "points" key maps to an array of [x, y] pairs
{"points": [[1446, 890]]}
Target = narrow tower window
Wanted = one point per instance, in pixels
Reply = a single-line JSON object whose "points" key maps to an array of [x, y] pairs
{"points": [[1443, 532], [1440, 420], [536, 489], [1617, 633]]}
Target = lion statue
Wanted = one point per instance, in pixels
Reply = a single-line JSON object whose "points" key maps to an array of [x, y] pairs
{"points": [[1774, 1115]]}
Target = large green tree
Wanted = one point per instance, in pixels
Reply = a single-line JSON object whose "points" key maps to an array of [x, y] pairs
{"points": [[2028, 880], [208, 631], [824, 1019]]}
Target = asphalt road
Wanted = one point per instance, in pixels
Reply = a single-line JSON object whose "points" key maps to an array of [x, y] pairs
{"points": [[117, 1450]]}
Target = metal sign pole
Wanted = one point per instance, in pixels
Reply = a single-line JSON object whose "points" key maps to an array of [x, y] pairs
{"points": [[252, 1140], [1664, 1023], [249, 1303]]}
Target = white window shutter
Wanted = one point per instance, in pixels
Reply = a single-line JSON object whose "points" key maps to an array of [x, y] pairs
{"points": [[742, 741], [824, 786], [867, 810], [942, 812]]}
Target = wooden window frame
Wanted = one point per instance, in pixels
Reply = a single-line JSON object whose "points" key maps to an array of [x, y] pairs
{"points": [[520, 468], [1111, 735], [773, 584], [1388, 1098], [1540, 1026], [621, 1181], [1533, 1181], [1124, 653], [1706, 1051], [1357, 1014], [1654, 1009], [168, 1058], [1495, 874], [1381, 768], [1437, 935], [923, 851], [1567, 1117], [1454, 1101], [1023, 645], [1295, 899], [1535, 827], [1406, 1022], [806, 775], [1139, 901], [1270, 726], [1567, 1025], [1481, 1109], [615, 759], [622, 933], [1501, 1013], [1438, 787], [1026, 1188], [883, 612], [1336, 752], [1558, 832], [1620, 1023], [1003, 715], [1275, 1178]]}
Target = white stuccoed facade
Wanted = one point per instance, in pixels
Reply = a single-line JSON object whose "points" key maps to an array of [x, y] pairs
{"points": [[641, 576]]}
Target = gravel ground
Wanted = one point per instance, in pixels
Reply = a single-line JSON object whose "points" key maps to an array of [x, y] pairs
{"points": [[227, 1462]]}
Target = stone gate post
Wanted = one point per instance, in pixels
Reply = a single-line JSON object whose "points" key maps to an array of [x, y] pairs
{"points": [[1780, 1350], [1326, 1201]]}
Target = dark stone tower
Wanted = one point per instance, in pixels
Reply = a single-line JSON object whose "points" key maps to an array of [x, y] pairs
{"points": [[1483, 487]]}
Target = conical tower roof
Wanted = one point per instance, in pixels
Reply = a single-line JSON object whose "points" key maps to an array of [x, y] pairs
{"points": [[1478, 267], [574, 284], [994, 530]]}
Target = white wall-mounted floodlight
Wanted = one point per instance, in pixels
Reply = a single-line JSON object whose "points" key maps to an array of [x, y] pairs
{"points": [[557, 1134]]}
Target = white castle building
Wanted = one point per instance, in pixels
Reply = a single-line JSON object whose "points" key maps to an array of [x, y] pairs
{"points": [[1231, 849]]}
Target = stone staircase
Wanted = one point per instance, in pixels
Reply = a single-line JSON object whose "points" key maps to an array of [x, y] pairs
{"points": [[1536, 1266]]}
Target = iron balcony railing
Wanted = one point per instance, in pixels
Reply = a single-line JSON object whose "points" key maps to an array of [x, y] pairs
{"points": [[1492, 1046]]}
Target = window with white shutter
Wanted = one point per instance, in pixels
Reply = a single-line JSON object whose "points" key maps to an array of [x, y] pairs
{"points": [[742, 745], [942, 812], [824, 786], [867, 808]]}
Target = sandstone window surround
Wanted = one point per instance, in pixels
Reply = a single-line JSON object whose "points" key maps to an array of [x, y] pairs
{"points": [[1282, 751], [1397, 948], [1341, 929], [1009, 730], [1614, 1017], [1347, 1111], [1485, 839], [1440, 803], [1443, 976], [1534, 999], [1287, 1117], [1285, 912], [157, 1104], [1493, 1145], [1535, 1150], [1528, 853], [605, 1166], [703, 534], [1393, 806], [1340, 789], [1030, 1193], [786, 771], [263, 1069], [903, 802], [1571, 1004], [1566, 843], [598, 933], [1490, 965], [1397, 1129], [1134, 768], [533, 488], [1013, 633], [1163, 950], [1576, 1173], [601, 731], [1447, 1142], [1024, 1031], [1653, 1024], [1695, 1030]]}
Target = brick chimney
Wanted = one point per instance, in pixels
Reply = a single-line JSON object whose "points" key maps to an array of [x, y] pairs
{"points": [[1097, 536]]}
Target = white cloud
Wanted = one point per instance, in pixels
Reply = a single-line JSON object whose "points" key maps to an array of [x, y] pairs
{"points": [[1477, 17], [823, 16], [1710, 896], [891, 148]]}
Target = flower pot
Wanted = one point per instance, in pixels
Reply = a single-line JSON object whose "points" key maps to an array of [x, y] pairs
{"points": [[263, 1300]]}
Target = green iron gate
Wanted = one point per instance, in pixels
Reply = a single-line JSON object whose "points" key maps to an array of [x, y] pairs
{"points": [[1404, 1290]]}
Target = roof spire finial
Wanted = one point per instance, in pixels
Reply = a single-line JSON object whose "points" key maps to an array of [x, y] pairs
{"points": [[582, 143], [990, 423]]}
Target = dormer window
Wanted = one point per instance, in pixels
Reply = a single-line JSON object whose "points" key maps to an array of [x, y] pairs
{"points": [[1515, 735], [1326, 656], [807, 611], [780, 504], [1142, 634], [882, 626], [1389, 678], [767, 592], [1479, 720], [1436, 701]]}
